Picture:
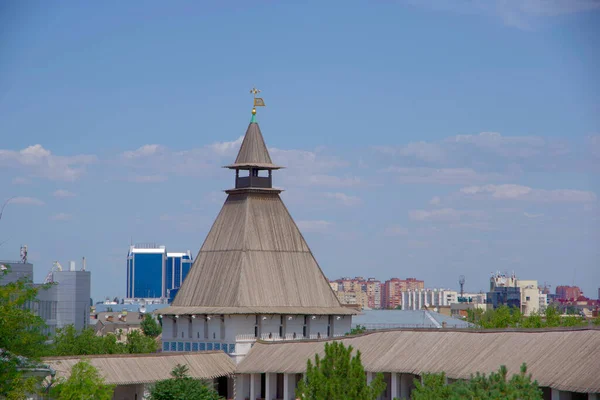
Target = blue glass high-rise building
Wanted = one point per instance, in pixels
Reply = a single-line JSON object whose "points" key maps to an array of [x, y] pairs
{"points": [[152, 271], [178, 266]]}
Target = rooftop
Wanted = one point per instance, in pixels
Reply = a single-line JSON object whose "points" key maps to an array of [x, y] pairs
{"points": [[563, 359], [125, 369]]}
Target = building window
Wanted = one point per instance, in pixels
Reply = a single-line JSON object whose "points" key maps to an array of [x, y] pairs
{"points": [[222, 327], [305, 326], [281, 322], [527, 298]]}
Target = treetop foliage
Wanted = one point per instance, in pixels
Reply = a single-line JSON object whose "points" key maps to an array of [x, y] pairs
{"points": [[496, 386], [182, 387], [511, 317], [84, 383], [21, 331], [338, 376], [68, 341], [150, 326]]}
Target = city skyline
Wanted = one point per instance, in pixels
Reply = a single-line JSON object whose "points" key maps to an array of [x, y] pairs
{"points": [[472, 151]]}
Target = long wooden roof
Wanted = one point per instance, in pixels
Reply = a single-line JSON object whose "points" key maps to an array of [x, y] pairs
{"points": [[564, 359], [125, 369], [254, 259]]}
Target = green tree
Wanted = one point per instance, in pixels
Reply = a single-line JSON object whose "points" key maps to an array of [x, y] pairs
{"points": [[338, 376], [357, 330], [13, 384], [69, 342], [21, 335], [84, 383], [505, 317], [552, 317], [496, 386], [182, 387], [137, 342], [21, 331], [150, 327]]}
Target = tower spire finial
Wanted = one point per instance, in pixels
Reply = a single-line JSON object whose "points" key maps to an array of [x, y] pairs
{"points": [[258, 102]]}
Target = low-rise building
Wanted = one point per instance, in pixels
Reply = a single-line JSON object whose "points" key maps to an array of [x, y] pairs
{"points": [[427, 298]]}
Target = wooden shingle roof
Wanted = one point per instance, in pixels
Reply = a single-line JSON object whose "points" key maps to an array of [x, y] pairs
{"points": [[125, 369], [563, 359], [254, 259], [253, 152]]}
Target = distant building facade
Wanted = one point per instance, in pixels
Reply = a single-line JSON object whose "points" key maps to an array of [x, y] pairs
{"points": [[358, 290], [16, 270], [67, 299], [504, 291], [509, 291], [570, 293], [427, 298], [152, 272], [178, 266], [393, 288]]}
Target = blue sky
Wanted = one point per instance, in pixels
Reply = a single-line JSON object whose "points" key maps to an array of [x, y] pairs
{"points": [[421, 138]]}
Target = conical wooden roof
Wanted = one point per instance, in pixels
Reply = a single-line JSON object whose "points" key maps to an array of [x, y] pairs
{"points": [[253, 151], [254, 259]]}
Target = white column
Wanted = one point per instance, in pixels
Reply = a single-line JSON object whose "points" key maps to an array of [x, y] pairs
{"points": [[241, 388], [270, 386], [286, 387], [394, 383], [253, 386]]}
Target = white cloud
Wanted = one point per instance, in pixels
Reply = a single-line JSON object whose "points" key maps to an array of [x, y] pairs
{"points": [[30, 201], [61, 217], [227, 148], [594, 145], [146, 150], [507, 146], [442, 215], [519, 192], [429, 152], [344, 199], [40, 162], [153, 160], [520, 14], [314, 226], [445, 176], [395, 230], [147, 178], [495, 139], [435, 201], [63, 193], [507, 191], [305, 160], [20, 181], [332, 181], [530, 215]]}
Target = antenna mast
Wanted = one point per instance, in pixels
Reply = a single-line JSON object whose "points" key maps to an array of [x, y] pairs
{"points": [[461, 282]]}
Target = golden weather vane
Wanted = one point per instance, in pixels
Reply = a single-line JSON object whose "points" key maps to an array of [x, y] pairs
{"points": [[258, 101]]}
